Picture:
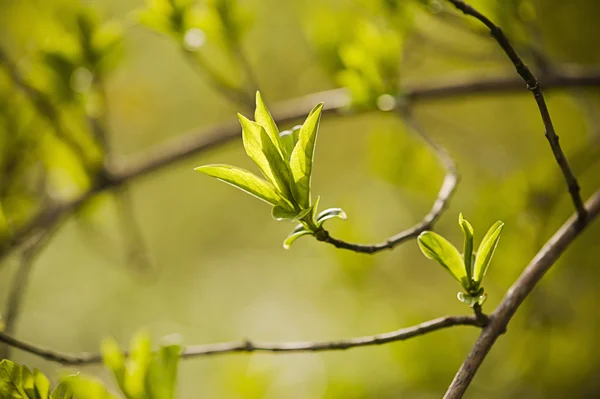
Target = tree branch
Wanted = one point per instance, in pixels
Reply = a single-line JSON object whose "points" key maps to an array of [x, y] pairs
{"points": [[534, 86], [248, 346], [336, 101], [516, 294], [20, 281], [445, 193]]}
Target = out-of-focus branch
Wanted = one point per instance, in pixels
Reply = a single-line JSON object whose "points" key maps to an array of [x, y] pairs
{"points": [[534, 86], [248, 346], [336, 101], [18, 287], [516, 294], [445, 193]]}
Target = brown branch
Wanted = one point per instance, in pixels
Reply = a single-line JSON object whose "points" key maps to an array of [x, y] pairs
{"points": [[248, 346], [18, 286], [336, 101], [445, 193], [534, 86], [516, 294]]}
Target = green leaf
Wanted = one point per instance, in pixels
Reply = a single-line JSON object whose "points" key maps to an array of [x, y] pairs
{"points": [[298, 232], [468, 247], [261, 149], [302, 157], [162, 372], [12, 379], [282, 211], [42, 385], [436, 247], [466, 299], [62, 391], [486, 251], [288, 140], [86, 388], [263, 117], [244, 180], [114, 360], [329, 214], [137, 367]]}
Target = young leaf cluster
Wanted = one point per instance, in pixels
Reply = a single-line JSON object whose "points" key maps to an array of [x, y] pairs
{"points": [[470, 267], [285, 160], [143, 375]]}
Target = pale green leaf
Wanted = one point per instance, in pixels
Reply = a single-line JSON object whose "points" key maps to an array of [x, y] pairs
{"points": [[137, 365], [12, 379], [298, 232], [468, 246], [263, 117], [329, 214], [244, 180], [436, 247], [162, 372], [302, 157], [42, 385], [485, 252], [62, 391], [282, 211], [264, 153], [86, 388], [288, 140], [466, 299], [114, 360]]}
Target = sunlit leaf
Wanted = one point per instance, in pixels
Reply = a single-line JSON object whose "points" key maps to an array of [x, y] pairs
{"points": [[86, 388], [162, 372], [114, 360], [137, 365], [298, 232], [282, 211], [62, 391], [466, 299], [261, 149], [244, 180], [329, 214], [485, 252], [468, 246], [288, 140], [302, 157], [12, 379], [436, 247], [263, 117]]}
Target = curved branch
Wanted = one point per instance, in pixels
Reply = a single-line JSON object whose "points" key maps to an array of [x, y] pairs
{"points": [[516, 294], [445, 193], [534, 86], [248, 346], [336, 101]]}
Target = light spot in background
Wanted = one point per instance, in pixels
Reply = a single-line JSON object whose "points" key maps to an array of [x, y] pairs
{"points": [[386, 102], [81, 80], [194, 39]]}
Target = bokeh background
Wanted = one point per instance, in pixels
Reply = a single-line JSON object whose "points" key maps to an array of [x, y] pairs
{"points": [[208, 263]]}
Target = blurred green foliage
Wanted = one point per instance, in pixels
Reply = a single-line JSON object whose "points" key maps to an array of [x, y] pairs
{"points": [[118, 89], [143, 375]]}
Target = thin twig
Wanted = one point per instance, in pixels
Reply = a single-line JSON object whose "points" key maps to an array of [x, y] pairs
{"points": [[516, 294], [18, 287], [336, 101], [445, 193], [534, 86], [248, 346]]}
